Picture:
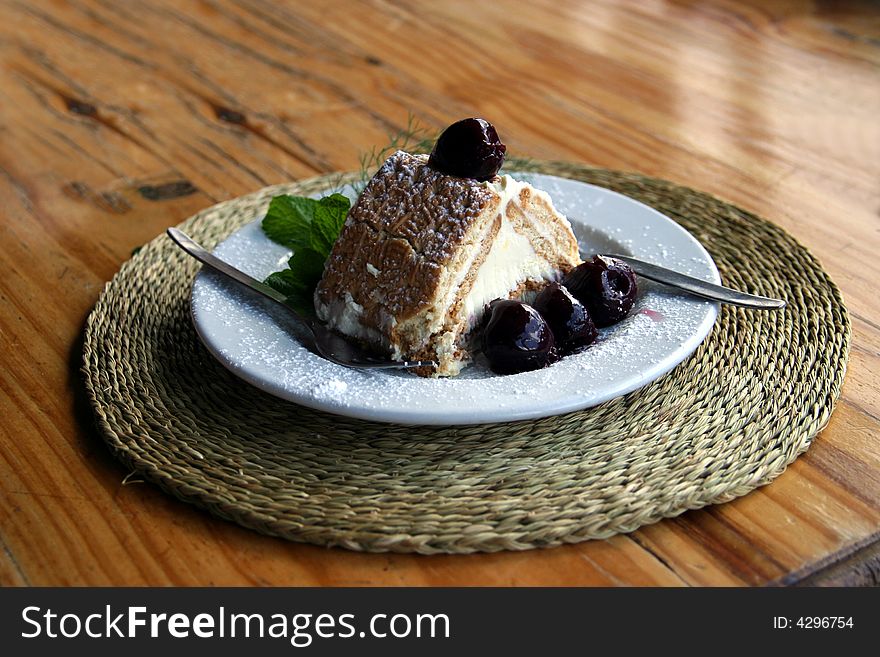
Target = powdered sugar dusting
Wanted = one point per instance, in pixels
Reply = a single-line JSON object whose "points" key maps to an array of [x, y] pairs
{"points": [[256, 339]]}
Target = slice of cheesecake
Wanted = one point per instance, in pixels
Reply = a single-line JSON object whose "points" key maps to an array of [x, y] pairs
{"points": [[422, 253]]}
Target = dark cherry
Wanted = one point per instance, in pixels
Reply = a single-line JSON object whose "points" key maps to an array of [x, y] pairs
{"points": [[569, 320], [469, 148], [516, 338], [607, 287]]}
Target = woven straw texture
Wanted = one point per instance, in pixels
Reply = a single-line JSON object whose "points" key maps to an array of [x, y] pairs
{"points": [[728, 419]]}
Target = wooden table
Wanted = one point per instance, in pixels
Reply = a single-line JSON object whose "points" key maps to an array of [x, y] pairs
{"points": [[118, 119]]}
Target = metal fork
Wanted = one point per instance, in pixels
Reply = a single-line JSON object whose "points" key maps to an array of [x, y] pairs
{"points": [[699, 287], [328, 344]]}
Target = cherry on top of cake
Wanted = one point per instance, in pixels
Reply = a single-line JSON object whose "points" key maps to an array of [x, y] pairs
{"points": [[469, 148]]}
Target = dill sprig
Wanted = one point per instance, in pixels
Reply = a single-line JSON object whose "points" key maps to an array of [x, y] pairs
{"points": [[414, 138]]}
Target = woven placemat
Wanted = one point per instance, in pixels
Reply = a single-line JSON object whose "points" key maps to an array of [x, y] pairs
{"points": [[727, 420]]}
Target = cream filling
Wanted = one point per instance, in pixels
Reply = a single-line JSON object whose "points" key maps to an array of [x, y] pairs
{"points": [[345, 316], [508, 188], [510, 262], [512, 259]]}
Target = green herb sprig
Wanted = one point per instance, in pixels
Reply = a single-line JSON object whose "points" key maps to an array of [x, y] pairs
{"points": [[309, 227], [414, 138]]}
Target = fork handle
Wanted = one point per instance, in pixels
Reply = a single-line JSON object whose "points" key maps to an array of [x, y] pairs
{"points": [[698, 287]]}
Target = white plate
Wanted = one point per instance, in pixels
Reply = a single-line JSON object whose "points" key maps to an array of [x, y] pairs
{"points": [[252, 337]]}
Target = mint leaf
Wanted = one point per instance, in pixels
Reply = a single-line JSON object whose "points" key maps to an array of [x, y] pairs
{"points": [[328, 218], [289, 219], [309, 228], [302, 302], [284, 282], [296, 293], [307, 266]]}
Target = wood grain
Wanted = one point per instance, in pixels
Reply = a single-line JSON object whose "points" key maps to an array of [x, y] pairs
{"points": [[118, 119]]}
